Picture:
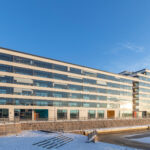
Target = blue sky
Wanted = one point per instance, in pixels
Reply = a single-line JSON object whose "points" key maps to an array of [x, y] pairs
{"points": [[111, 35]]}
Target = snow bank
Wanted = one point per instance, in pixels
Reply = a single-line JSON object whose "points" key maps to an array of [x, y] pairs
{"points": [[25, 140]]}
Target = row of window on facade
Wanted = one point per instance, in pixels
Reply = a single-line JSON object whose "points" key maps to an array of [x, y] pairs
{"points": [[40, 83], [57, 76], [36, 63], [27, 102], [42, 93], [61, 114]]}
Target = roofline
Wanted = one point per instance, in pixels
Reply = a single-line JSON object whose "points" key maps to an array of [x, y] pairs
{"points": [[63, 61]]}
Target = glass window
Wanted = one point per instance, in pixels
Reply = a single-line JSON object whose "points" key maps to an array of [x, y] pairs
{"points": [[42, 83], [75, 87], [42, 64], [102, 98], [59, 76], [6, 57], [22, 60], [74, 104], [61, 114], [74, 114], [60, 86], [5, 90], [100, 90], [5, 68], [26, 93], [91, 74], [6, 79], [91, 114], [74, 70], [100, 114], [60, 103], [75, 79], [89, 97], [23, 71], [60, 94], [42, 74], [42, 93], [89, 81], [75, 95], [59, 67], [89, 89], [6, 101], [4, 113]]}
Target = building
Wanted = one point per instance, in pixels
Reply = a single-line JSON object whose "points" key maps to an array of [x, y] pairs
{"points": [[141, 93], [36, 88]]}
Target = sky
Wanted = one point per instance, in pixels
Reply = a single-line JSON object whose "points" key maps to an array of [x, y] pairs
{"points": [[110, 35]]}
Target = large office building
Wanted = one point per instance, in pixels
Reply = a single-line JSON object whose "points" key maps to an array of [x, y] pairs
{"points": [[37, 88]]}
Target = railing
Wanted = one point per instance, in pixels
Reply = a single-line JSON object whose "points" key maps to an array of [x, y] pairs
{"points": [[16, 120]]}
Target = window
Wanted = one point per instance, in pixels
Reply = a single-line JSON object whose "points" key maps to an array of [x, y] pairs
{"points": [[42, 64], [91, 74], [59, 67], [60, 86], [100, 114], [59, 76], [22, 60], [60, 94], [4, 90], [74, 104], [5, 68], [74, 114], [89, 89], [4, 113], [42, 83], [60, 103], [61, 114], [6, 57], [42, 93], [42, 74], [75, 87], [100, 90], [26, 93], [89, 81], [6, 79], [89, 97], [75, 79], [6, 101], [74, 70], [75, 95], [23, 71], [102, 98], [91, 114]]}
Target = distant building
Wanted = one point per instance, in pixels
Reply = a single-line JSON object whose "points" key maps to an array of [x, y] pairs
{"points": [[37, 88]]}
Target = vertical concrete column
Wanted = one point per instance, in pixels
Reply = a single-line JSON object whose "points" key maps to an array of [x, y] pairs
{"points": [[105, 114], [33, 115], [83, 114], [11, 114], [96, 116], [68, 114], [52, 114]]}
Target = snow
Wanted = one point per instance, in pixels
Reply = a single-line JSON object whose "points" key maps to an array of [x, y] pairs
{"points": [[143, 140], [25, 140]]}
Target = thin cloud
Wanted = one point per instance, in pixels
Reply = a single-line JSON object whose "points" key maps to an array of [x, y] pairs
{"points": [[128, 46]]}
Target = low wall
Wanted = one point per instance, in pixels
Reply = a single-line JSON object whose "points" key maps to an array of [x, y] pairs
{"points": [[82, 125], [70, 125], [11, 128]]}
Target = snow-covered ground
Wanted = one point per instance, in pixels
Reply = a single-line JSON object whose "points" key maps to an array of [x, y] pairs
{"points": [[25, 140], [143, 140]]}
